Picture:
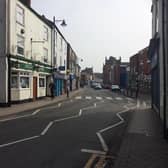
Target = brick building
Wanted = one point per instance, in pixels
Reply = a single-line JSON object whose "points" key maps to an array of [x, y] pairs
{"points": [[111, 71], [140, 73]]}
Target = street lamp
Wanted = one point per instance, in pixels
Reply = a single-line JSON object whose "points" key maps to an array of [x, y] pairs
{"points": [[63, 23]]}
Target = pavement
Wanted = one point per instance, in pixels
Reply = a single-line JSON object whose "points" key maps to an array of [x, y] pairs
{"points": [[143, 145], [21, 107]]}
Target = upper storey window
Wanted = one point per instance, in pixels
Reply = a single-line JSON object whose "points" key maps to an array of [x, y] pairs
{"points": [[20, 15], [45, 37]]}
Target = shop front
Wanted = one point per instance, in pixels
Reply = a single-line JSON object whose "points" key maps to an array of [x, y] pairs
{"points": [[60, 83], [28, 80]]}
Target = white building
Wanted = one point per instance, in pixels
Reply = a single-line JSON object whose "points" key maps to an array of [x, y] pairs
{"points": [[25, 52], [59, 59]]}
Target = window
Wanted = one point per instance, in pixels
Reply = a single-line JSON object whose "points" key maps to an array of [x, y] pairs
{"points": [[20, 45], [24, 82], [14, 82], [41, 82], [56, 39], [61, 44], [45, 34], [55, 60], [20, 15], [45, 52]]}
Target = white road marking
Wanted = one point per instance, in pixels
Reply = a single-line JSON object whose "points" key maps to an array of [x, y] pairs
{"points": [[109, 98], [37, 111], [78, 97], [19, 117], [47, 128], [88, 97], [138, 103], [18, 141], [95, 105], [103, 143], [144, 104], [59, 104], [130, 99], [99, 98], [119, 98], [67, 118], [14, 118], [80, 112], [110, 127], [93, 151]]}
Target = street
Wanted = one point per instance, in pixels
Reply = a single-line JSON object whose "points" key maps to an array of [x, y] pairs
{"points": [[75, 133]]}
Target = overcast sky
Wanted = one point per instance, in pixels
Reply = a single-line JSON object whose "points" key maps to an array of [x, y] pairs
{"points": [[100, 28]]}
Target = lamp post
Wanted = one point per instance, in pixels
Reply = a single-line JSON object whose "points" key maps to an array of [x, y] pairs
{"points": [[63, 23]]}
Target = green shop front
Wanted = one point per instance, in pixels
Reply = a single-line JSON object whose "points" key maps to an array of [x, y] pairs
{"points": [[29, 79]]}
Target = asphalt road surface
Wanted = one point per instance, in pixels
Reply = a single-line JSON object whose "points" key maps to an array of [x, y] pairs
{"points": [[76, 133]]}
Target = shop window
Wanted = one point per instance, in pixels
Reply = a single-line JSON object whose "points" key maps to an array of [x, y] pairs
{"points": [[24, 82], [41, 82], [14, 82], [20, 45], [20, 15]]}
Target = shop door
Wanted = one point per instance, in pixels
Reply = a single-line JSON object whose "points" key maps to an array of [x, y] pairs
{"points": [[34, 88]]}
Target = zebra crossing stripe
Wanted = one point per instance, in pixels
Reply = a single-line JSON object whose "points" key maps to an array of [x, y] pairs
{"points": [[138, 103], [119, 98], [99, 98], [144, 104], [78, 97], [88, 97], [130, 99], [109, 98]]}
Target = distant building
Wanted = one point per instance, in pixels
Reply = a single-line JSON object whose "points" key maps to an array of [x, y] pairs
{"points": [[87, 75], [111, 71], [140, 71], [73, 68], [124, 75]]}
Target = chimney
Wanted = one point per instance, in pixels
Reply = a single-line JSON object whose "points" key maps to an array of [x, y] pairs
{"points": [[26, 2]]}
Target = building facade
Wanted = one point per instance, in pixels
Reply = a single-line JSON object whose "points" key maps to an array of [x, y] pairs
{"points": [[124, 75], [140, 72], [59, 61], [73, 68], [87, 75], [158, 52], [28, 42], [111, 71], [33, 53]]}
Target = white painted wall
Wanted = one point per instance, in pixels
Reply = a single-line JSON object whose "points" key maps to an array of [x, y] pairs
{"points": [[34, 28], [61, 51]]}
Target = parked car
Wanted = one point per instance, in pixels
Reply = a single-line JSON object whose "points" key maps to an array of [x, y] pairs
{"points": [[115, 88], [106, 86], [93, 84], [98, 87]]}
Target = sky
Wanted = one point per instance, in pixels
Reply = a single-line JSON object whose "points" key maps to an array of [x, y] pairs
{"points": [[101, 28]]}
